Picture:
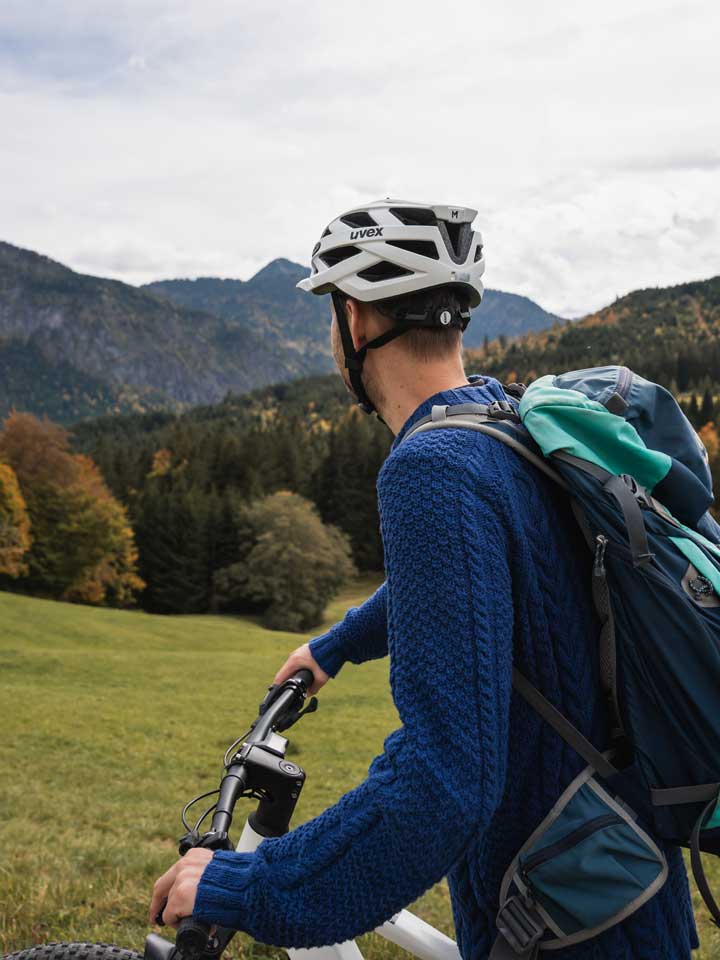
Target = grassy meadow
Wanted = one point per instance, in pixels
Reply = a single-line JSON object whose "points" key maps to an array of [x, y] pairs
{"points": [[113, 719]]}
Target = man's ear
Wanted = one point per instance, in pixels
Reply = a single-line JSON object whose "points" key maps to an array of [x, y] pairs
{"points": [[357, 318]]}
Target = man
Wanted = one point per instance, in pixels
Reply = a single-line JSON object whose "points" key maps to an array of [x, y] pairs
{"points": [[484, 566]]}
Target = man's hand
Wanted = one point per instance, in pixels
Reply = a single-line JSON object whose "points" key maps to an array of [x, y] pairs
{"points": [[175, 891], [301, 657]]}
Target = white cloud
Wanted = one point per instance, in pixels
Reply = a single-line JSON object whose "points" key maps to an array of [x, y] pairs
{"points": [[146, 138]]}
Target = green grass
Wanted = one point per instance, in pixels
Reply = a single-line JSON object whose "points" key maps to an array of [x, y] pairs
{"points": [[112, 719]]}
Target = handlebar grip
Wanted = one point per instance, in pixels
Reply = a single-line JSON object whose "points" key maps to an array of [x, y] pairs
{"points": [[192, 938], [306, 675]]}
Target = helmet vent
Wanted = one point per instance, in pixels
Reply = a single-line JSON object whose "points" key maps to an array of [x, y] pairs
{"points": [[338, 254], [478, 252], [426, 248], [457, 237], [326, 233], [358, 219], [454, 231], [383, 271], [414, 216]]}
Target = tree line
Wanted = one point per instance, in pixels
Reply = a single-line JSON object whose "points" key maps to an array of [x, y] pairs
{"points": [[256, 505], [189, 483]]}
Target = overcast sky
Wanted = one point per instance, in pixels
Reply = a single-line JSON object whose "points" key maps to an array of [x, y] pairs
{"points": [[144, 139]]}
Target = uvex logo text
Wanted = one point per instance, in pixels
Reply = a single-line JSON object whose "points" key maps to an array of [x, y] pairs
{"points": [[366, 232]]}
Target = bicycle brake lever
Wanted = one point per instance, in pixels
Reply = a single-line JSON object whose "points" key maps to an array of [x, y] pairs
{"points": [[294, 717]]}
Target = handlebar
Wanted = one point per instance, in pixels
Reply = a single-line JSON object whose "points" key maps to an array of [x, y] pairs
{"points": [[192, 938], [281, 705]]}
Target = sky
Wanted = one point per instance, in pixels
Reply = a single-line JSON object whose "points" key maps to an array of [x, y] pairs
{"points": [[148, 139]]}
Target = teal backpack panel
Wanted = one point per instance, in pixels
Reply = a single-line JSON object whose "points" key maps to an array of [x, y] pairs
{"points": [[561, 419], [586, 867], [650, 439]]}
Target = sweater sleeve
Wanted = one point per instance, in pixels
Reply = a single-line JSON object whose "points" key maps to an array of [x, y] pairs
{"points": [[361, 635], [442, 773]]}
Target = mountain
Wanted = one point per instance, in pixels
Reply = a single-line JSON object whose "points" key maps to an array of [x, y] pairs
{"points": [[269, 302], [73, 346], [89, 345], [668, 334]]}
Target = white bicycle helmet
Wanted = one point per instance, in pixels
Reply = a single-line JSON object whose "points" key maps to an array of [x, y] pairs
{"points": [[387, 250], [391, 247]]}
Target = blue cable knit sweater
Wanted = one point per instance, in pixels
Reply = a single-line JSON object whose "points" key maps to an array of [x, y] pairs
{"points": [[483, 565]]}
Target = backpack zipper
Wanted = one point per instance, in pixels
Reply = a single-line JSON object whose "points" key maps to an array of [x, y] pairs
{"points": [[566, 843], [622, 553]]}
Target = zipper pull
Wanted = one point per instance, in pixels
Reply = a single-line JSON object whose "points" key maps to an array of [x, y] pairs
{"points": [[601, 543]]}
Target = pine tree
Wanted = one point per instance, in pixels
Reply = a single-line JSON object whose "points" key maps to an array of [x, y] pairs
{"points": [[693, 411], [707, 408]]}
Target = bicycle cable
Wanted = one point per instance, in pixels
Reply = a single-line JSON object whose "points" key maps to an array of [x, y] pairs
{"points": [[201, 796], [196, 828], [234, 744]]}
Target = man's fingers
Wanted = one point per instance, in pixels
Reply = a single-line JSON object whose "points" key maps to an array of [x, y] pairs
{"points": [[293, 663], [180, 903], [160, 893], [301, 657]]}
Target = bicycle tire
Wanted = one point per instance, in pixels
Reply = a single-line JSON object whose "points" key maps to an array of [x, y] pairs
{"points": [[76, 950]]}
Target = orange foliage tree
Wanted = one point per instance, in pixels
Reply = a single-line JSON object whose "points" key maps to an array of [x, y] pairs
{"points": [[709, 436], [83, 547], [14, 525]]}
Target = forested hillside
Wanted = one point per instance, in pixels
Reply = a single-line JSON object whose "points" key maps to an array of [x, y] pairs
{"points": [[270, 302], [671, 335], [184, 477], [188, 479], [74, 345], [203, 488]]}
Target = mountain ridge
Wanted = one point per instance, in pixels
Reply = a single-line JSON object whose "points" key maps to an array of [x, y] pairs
{"points": [[73, 345], [500, 312], [132, 341], [667, 334]]}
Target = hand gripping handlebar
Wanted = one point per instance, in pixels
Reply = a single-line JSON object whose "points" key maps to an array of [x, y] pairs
{"points": [[279, 710]]}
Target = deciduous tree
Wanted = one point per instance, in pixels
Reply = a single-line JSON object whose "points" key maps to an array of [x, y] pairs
{"points": [[14, 525]]}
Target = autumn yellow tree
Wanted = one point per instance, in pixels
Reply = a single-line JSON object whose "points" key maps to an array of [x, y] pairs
{"points": [[83, 548], [14, 525], [709, 436]]}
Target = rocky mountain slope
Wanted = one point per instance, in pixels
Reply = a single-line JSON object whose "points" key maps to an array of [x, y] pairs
{"points": [[73, 345], [88, 345], [270, 302]]}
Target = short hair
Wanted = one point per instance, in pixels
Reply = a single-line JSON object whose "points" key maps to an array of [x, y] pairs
{"points": [[427, 343]]}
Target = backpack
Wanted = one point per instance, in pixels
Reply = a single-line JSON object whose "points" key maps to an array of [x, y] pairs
{"points": [[640, 488]]}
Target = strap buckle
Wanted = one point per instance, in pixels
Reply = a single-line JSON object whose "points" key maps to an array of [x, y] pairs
{"points": [[502, 410], [521, 926]]}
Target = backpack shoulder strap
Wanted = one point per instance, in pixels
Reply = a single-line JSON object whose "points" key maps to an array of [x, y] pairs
{"points": [[498, 420]]}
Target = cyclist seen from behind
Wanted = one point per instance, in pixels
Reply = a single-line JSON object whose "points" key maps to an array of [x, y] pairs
{"points": [[485, 567]]}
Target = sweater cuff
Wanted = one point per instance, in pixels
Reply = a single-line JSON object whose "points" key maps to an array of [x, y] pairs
{"points": [[223, 894], [327, 650]]}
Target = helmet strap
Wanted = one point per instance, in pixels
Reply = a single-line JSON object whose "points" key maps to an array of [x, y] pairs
{"points": [[354, 359]]}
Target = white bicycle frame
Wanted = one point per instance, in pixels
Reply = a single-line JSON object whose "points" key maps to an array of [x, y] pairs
{"points": [[405, 929]]}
